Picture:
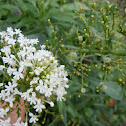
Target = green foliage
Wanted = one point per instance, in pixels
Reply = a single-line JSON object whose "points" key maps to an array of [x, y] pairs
{"points": [[90, 41]]}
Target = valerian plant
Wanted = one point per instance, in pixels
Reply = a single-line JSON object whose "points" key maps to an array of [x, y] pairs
{"points": [[95, 57], [31, 74], [92, 50], [99, 51]]}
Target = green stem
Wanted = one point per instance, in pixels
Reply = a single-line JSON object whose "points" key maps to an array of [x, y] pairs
{"points": [[77, 49], [81, 69]]}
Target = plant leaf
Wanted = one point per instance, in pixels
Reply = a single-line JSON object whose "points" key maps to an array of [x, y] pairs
{"points": [[112, 88], [62, 110], [8, 7], [61, 16]]}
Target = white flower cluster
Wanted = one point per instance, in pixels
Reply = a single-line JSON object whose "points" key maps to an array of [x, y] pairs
{"points": [[32, 74]]}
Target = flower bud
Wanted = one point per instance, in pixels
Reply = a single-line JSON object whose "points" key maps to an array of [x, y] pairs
{"points": [[102, 22], [80, 38], [51, 104]]}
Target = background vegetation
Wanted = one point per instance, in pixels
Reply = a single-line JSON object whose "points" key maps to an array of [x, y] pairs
{"points": [[90, 40]]}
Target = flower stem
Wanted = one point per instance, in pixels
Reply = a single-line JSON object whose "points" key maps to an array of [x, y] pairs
{"points": [[77, 49]]}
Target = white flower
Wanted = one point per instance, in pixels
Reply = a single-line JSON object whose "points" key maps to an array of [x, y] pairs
{"points": [[106, 59], [24, 64], [3, 112], [10, 99], [5, 122], [48, 91], [24, 124], [26, 95], [34, 75], [40, 87], [10, 87], [16, 91], [4, 94], [11, 41], [17, 31], [34, 81], [39, 106], [18, 75], [43, 46], [83, 90], [10, 31], [80, 38], [32, 99], [11, 70], [1, 84], [72, 56], [33, 118], [2, 34], [51, 104], [19, 123], [6, 50], [9, 60], [38, 70], [60, 92]]}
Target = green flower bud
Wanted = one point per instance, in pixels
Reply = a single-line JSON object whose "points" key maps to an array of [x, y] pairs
{"points": [[86, 35], [92, 16], [120, 79], [108, 7], [107, 26], [102, 22], [49, 21], [85, 30]]}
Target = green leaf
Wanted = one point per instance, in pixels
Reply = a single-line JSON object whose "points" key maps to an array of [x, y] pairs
{"points": [[1, 73], [71, 7], [3, 12], [112, 88], [13, 18], [54, 3], [72, 110], [89, 112], [33, 2], [60, 106], [24, 22], [62, 16], [9, 7], [62, 110], [29, 8]]}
